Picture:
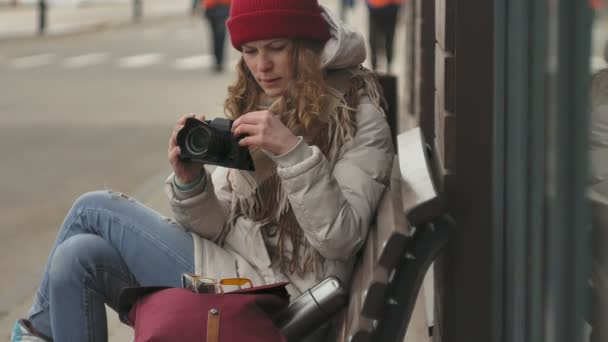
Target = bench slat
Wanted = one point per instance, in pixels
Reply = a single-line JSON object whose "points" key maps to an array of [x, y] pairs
{"points": [[374, 278], [358, 328], [391, 224], [421, 201]]}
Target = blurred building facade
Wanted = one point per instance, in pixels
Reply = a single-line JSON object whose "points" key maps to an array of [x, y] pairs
{"points": [[501, 91]]}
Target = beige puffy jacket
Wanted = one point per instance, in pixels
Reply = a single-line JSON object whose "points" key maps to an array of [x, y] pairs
{"points": [[334, 206]]}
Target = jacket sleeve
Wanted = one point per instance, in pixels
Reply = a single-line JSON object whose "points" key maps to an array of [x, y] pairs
{"points": [[203, 210], [335, 207]]}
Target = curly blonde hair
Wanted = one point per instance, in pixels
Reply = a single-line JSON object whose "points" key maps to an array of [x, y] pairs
{"points": [[302, 104]]}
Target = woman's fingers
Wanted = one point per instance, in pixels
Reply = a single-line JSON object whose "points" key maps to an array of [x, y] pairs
{"points": [[264, 129], [173, 137], [253, 118], [173, 150], [183, 171], [250, 141], [182, 120], [174, 156], [180, 124], [246, 130]]}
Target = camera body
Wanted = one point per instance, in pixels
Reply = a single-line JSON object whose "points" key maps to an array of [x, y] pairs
{"points": [[211, 142]]}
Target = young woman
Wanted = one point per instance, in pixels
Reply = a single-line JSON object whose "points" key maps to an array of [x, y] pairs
{"points": [[322, 150]]}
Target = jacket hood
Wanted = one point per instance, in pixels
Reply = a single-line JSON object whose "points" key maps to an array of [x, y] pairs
{"points": [[345, 47]]}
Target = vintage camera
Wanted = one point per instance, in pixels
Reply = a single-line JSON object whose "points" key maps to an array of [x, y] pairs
{"points": [[212, 142]]}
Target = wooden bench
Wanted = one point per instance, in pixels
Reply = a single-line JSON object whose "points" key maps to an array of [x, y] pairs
{"points": [[410, 230]]}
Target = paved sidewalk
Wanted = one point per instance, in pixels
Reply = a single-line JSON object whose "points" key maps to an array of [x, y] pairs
{"points": [[22, 21]]}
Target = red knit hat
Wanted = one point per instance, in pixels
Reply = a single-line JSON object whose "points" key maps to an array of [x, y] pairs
{"points": [[266, 19]]}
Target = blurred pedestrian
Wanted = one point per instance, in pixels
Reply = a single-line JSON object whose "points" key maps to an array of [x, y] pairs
{"points": [[597, 4], [345, 5], [194, 7], [216, 12], [383, 16]]}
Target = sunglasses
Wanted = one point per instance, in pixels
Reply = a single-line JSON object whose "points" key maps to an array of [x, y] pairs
{"points": [[202, 284]]}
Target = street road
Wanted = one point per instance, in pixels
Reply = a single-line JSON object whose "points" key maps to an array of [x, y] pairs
{"points": [[87, 112]]}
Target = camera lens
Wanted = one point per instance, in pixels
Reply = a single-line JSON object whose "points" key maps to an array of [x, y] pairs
{"points": [[203, 141], [198, 140]]}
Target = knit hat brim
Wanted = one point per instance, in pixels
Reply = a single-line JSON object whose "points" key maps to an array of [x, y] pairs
{"points": [[265, 25]]}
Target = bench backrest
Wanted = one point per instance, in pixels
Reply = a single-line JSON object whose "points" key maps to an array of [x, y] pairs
{"points": [[389, 247]]}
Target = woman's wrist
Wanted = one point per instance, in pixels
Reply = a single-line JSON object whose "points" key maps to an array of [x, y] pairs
{"points": [[288, 145], [295, 155], [188, 184]]}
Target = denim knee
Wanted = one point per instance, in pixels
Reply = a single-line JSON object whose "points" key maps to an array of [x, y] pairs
{"points": [[76, 255], [91, 199]]}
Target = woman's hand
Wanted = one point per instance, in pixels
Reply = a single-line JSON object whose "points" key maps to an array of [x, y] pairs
{"points": [[184, 172], [264, 129]]}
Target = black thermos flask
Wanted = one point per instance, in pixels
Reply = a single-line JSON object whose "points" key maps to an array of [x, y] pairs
{"points": [[312, 308]]}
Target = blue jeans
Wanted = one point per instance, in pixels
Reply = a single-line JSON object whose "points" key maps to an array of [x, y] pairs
{"points": [[107, 241]]}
